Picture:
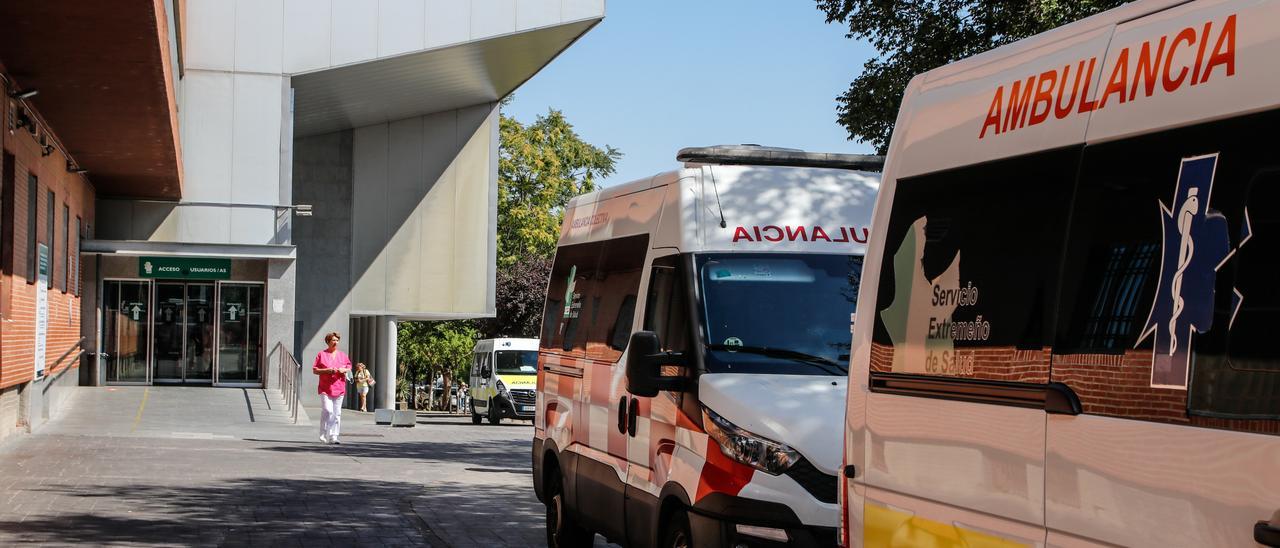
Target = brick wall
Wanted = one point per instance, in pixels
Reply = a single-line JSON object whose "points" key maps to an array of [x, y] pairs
{"points": [[10, 418], [17, 331]]}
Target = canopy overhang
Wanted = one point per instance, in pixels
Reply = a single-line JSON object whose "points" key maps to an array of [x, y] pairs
{"points": [[425, 82]]}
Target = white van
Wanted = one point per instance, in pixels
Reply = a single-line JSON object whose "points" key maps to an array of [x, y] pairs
{"points": [[503, 379], [1065, 328], [693, 352]]}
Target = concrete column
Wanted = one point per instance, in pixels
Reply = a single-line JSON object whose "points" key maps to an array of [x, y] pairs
{"points": [[386, 372]]}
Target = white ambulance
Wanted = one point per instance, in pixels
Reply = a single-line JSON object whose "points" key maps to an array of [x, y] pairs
{"points": [[694, 349], [503, 378], [1065, 329]]}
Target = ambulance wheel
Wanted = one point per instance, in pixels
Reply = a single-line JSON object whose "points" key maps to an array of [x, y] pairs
{"points": [[495, 417], [475, 417], [677, 534], [562, 530]]}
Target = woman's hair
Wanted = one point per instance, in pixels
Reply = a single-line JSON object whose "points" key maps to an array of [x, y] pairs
{"points": [[331, 336], [360, 365]]}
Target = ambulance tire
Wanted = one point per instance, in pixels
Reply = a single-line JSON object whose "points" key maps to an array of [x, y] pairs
{"points": [[475, 417], [562, 530], [677, 533], [495, 416]]}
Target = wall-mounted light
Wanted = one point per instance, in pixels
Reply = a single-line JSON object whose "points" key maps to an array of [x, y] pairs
{"points": [[24, 120], [302, 210], [24, 93], [45, 148], [71, 168]]}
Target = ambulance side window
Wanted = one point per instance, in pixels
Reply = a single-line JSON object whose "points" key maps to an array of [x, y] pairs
{"points": [[587, 297], [970, 269], [1168, 289], [666, 310]]}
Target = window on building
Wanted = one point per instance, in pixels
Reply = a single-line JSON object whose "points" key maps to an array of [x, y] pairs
{"points": [[969, 269], [75, 273], [1168, 291], [591, 296], [51, 222], [33, 234], [65, 279]]}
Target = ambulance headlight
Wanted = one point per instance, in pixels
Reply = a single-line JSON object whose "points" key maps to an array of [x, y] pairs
{"points": [[757, 452], [502, 389]]}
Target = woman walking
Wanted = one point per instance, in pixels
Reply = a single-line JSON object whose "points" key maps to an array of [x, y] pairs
{"points": [[332, 365], [364, 379]]}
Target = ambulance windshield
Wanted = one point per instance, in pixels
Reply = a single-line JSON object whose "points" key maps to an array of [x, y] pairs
{"points": [[778, 313], [517, 362]]}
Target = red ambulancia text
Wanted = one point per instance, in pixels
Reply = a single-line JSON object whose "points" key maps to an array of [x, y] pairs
{"points": [[772, 233], [1138, 72]]}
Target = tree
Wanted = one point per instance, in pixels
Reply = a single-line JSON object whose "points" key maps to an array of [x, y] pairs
{"points": [[540, 167], [519, 296], [428, 350], [914, 36]]}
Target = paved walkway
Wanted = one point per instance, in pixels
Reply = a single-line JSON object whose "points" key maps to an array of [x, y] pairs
{"points": [[226, 467]]}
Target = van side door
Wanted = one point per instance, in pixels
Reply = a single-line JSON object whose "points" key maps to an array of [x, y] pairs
{"points": [[652, 422], [1167, 334], [955, 414]]}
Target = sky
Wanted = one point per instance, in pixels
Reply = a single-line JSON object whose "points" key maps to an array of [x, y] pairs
{"points": [[660, 75]]}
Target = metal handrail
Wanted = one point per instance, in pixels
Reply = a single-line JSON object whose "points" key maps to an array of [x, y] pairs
{"points": [[287, 370]]}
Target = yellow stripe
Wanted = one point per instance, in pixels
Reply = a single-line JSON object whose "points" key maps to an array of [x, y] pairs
{"points": [[885, 527], [138, 418]]}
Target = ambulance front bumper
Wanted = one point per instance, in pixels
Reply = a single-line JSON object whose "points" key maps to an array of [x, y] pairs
{"points": [[734, 522]]}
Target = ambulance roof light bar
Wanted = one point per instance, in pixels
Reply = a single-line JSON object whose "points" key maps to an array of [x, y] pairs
{"points": [[756, 155]]}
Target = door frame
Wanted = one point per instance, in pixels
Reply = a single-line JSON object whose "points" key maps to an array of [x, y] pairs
{"points": [[102, 319], [217, 337], [182, 361]]}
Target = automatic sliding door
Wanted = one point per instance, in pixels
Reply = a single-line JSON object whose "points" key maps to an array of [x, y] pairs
{"points": [[125, 330], [240, 333], [199, 332], [167, 321]]}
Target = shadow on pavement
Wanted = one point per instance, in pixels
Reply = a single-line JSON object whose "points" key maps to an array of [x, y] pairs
{"points": [[489, 453], [249, 511]]}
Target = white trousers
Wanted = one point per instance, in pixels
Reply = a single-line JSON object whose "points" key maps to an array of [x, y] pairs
{"points": [[330, 417]]}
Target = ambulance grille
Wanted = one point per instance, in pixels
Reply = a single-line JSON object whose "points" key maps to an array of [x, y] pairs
{"points": [[524, 397], [822, 486]]}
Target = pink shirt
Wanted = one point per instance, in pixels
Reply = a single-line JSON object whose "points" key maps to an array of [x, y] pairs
{"points": [[332, 384]]}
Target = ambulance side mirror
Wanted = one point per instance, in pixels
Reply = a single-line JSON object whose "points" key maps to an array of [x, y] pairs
{"points": [[645, 359]]}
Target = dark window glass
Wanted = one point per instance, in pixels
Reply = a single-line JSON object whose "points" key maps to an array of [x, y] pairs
{"points": [[621, 332], [666, 311], [590, 286], [33, 234], [778, 313], [1168, 287], [75, 272], [65, 278], [51, 232], [970, 268]]}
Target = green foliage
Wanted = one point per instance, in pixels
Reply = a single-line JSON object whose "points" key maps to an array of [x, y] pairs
{"points": [[914, 36], [429, 349], [540, 167]]}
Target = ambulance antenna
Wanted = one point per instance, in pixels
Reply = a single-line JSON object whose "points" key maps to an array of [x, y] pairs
{"points": [[712, 169]]}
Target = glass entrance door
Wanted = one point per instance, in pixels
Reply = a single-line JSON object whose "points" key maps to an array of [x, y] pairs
{"points": [[183, 321], [240, 323], [167, 321], [200, 319], [126, 330]]}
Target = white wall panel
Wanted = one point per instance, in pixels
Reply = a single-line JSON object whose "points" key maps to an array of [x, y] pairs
{"points": [[204, 224], [401, 26], [210, 40], [575, 10], [448, 22], [355, 31], [207, 137], [259, 35], [471, 221], [306, 35], [531, 14], [252, 226], [492, 17], [437, 272], [405, 185], [255, 174], [369, 208]]}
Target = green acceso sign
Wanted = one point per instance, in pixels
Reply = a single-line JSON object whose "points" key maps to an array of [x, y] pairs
{"points": [[184, 268]]}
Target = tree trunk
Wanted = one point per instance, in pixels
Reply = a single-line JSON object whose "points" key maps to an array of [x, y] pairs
{"points": [[448, 380]]}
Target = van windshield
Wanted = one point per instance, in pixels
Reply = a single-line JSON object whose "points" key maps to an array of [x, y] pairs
{"points": [[778, 313], [517, 362]]}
